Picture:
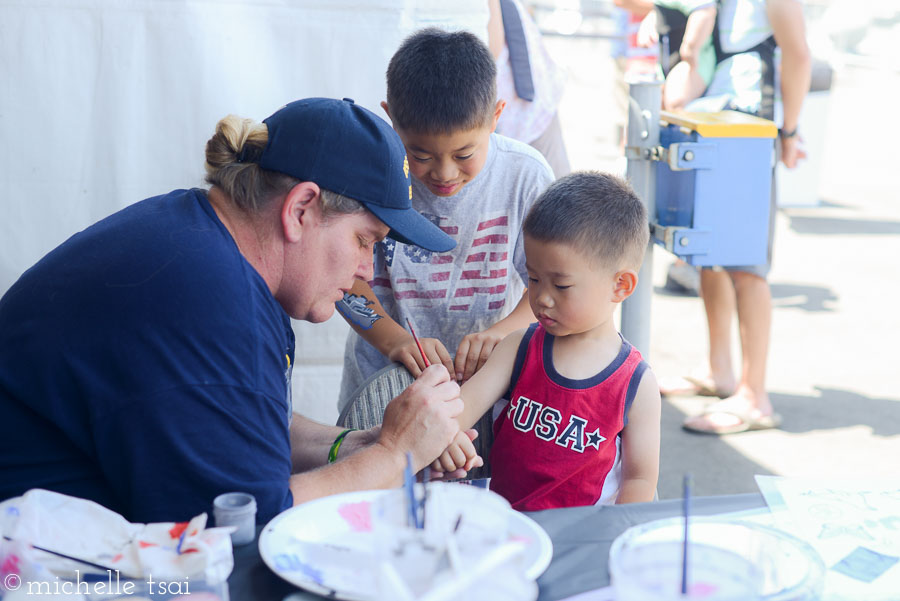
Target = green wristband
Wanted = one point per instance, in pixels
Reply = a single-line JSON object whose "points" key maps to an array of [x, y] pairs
{"points": [[336, 445]]}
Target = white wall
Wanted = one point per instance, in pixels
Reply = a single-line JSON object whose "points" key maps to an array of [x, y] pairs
{"points": [[106, 102]]}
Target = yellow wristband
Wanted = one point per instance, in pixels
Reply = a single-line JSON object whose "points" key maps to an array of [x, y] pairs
{"points": [[336, 445]]}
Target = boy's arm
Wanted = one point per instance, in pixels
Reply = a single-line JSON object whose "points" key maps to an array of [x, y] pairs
{"points": [[479, 394], [474, 349], [367, 316], [699, 27], [640, 444], [489, 384]]}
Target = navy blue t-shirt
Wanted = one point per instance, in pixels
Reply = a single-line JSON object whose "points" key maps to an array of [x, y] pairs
{"points": [[145, 365]]}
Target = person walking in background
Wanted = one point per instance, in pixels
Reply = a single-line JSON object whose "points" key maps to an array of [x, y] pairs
{"points": [[528, 81], [749, 36]]}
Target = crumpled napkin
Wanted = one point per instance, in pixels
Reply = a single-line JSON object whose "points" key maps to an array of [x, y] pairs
{"points": [[90, 532]]}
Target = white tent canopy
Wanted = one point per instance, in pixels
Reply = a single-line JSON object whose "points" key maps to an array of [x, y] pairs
{"points": [[106, 102]]}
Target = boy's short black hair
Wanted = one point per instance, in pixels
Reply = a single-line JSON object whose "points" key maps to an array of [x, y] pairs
{"points": [[597, 213], [440, 82]]}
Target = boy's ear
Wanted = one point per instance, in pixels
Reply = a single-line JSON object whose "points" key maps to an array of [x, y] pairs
{"points": [[384, 106], [625, 283], [498, 109], [299, 209]]}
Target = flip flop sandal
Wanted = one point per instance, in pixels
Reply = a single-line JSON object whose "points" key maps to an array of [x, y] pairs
{"points": [[691, 386], [747, 420]]}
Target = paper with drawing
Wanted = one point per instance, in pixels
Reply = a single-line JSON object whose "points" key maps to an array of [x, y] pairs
{"points": [[855, 527]]}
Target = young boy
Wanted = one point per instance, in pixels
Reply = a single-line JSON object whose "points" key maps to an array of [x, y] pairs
{"points": [[683, 29], [475, 185], [582, 423]]}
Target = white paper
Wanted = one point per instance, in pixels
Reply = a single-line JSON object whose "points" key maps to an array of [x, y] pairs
{"points": [[854, 526], [92, 533]]}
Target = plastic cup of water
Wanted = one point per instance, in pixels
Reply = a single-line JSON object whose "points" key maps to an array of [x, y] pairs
{"points": [[727, 561], [652, 572]]}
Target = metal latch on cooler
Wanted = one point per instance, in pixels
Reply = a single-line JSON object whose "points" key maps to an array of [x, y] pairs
{"points": [[681, 241], [680, 156]]}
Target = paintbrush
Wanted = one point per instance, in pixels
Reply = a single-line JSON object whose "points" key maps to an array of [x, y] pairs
{"points": [[418, 344]]}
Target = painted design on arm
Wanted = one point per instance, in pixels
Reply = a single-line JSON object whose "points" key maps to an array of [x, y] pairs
{"points": [[356, 310]]}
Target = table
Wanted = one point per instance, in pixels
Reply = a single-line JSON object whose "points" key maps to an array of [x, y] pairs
{"points": [[581, 540]]}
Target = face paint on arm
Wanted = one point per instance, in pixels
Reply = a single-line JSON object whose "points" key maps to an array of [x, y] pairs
{"points": [[356, 310]]}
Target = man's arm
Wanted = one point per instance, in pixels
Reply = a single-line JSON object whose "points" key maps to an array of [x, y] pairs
{"points": [[370, 468], [311, 441], [640, 444], [421, 421], [367, 316], [786, 18]]}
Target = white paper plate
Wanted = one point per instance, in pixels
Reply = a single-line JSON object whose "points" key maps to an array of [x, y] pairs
{"points": [[326, 546]]}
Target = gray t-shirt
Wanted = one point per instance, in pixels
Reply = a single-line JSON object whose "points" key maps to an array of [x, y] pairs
{"points": [[468, 289]]}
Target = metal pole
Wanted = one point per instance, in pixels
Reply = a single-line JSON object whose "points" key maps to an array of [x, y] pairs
{"points": [[642, 136]]}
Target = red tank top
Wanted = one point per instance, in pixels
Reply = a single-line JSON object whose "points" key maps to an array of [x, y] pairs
{"points": [[556, 440]]}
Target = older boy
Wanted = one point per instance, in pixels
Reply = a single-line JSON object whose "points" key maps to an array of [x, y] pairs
{"points": [[582, 423], [477, 187]]}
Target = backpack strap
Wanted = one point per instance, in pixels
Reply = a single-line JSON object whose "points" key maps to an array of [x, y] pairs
{"points": [[766, 51]]}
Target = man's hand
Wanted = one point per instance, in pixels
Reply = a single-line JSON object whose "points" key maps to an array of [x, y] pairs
{"points": [[473, 351], [406, 351], [421, 420], [792, 151]]}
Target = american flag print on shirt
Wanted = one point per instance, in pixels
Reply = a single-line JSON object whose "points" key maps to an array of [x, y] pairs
{"points": [[481, 269]]}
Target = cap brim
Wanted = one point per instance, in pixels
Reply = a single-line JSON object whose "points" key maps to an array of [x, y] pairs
{"points": [[410, 227]]}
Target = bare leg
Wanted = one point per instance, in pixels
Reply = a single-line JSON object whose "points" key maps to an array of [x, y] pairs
{"points": [[717, 292], [754, 306], [718, 296]]}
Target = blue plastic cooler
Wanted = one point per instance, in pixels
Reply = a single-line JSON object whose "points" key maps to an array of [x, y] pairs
{"points": [[713, 187]]}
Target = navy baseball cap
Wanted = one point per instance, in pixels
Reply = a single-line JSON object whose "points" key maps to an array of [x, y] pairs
{"points": [[349, 150]]}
